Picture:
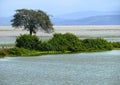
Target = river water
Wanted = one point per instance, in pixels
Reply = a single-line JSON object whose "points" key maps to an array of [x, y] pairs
{"points": [[97, 68]]}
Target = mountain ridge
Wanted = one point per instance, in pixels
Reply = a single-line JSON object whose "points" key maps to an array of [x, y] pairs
{"points": [[92, 20], [78, 18]]}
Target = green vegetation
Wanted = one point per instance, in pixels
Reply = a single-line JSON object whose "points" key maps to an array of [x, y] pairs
{"points": [[24, 52], [116, 44], [63, 43], [31, 45], [27, 42], [3, 53], [32, 20], [97, 44]]}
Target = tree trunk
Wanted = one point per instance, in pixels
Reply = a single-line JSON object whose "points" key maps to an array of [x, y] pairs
{"points": [[30, 31]]}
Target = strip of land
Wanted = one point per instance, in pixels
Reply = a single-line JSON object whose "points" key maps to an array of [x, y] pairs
{"points": [[77, 30]]}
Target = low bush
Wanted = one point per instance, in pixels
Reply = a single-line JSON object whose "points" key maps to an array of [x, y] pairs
{"points": [[65, 42], [97, 44], [58, 43], [16, 51], [3, 52], [61, 42], [27, 41], [74, 44], [44, 46], [22, 52], [116, 44]]}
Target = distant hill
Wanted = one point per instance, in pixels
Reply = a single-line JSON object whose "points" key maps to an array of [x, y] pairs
{"points": [[93, 20], [84, 14], [79, 18]]}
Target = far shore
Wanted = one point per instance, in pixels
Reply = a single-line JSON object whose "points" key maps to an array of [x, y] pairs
{"points": [[77, 30]]}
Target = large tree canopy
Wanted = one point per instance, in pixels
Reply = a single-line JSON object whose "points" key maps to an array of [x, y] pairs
{"points": [[32, 20]]}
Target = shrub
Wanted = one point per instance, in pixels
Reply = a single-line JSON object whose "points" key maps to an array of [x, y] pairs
{"points": [[65, 42], [27, 41], [58, 43], [116, 44], [61, 42], [16, 51], [96, 44], [22, 52], [74, 44], [44, 46], [3, 52]]}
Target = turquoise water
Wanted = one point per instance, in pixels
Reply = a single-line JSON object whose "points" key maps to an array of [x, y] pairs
{"points": [[98, 68]]}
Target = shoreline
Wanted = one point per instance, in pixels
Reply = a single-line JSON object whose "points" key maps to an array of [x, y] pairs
{"points": [[41, 53], [89, 30], [36, 53]]}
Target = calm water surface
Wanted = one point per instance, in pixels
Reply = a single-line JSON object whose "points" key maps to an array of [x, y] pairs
{"points": [[100, 68], [7, 39]]}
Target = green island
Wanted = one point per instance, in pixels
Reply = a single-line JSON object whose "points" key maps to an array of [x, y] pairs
{"points": [[31, 45]]}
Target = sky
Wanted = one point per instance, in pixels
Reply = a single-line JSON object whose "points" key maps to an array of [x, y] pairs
{"points": [[58, 7]]}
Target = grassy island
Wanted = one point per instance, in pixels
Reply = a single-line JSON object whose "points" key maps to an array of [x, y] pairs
{"points": [[31, 45]]}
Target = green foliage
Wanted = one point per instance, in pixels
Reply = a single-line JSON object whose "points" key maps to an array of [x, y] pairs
{"points": [[22, 52], [96, 44], [3, 52], [65, 42], [32, 20], [116, 44], [70, 42], [44, 46], [58, 42], [74, 44], [62, 43], [28, 45], [27, 41], [16, 51]]}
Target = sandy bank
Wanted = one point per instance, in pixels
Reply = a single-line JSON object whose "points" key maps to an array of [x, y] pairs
{"points": [[78, 30]]}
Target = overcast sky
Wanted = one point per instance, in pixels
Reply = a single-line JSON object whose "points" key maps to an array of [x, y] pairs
{"points": [[57, 7]]}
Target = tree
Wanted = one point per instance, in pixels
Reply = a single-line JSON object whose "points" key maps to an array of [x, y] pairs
{"points": [[32, 20]]}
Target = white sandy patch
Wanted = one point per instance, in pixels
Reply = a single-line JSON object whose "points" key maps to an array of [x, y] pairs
{"points": [[78, 30]]}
